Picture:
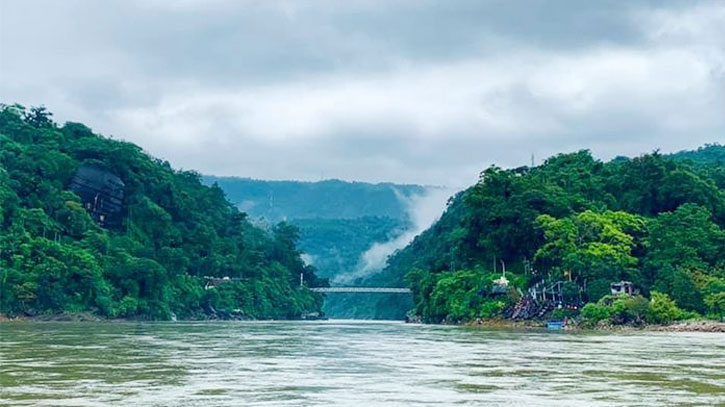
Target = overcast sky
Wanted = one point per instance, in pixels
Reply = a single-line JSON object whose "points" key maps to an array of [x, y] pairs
{"points": [[417, 91]]}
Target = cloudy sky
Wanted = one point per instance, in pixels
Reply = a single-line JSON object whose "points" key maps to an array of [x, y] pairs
{"points": [[407, 91]]}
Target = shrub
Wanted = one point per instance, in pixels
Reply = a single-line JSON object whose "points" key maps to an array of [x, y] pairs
{"points": [[127, 307], [491, 309], [625, 309], [662, 309], [620, 309], [713, 285], [716, 304], [593, 313], [561, 313]]}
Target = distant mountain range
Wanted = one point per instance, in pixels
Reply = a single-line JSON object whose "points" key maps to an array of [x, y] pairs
{"points": [[329, 199], [338, 222]]}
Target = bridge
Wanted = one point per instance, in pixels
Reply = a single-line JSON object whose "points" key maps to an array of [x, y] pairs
{"points": [[217, 281], [388, 290]]}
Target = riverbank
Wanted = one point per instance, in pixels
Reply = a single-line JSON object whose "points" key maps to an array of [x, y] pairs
{"points": [[683, 326], [91, 317], [692, 326], [506, 324], [63, 317]]}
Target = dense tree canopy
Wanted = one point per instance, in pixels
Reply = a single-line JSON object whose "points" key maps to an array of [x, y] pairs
{"points": [[657, 221], [174, 234], [591, 247], [338, 222], [328, 199]]}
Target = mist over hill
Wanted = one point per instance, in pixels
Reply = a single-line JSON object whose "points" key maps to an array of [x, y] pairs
{"points": [[655, 220], [357, 233], [347, 229]]}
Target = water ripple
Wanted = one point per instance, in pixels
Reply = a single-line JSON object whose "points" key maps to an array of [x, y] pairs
{"points": [[344, 363]]}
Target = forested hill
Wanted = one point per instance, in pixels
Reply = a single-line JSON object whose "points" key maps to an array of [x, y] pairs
{"points": [[93, 224], [708, 154], [657, 221], [329, 199], [338, 222]]}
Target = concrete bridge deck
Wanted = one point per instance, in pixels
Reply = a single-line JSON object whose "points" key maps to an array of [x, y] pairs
{"points": [[217, 281], [389, 290]]}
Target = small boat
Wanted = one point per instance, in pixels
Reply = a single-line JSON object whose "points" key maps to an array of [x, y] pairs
{"points": [[555, 325]]}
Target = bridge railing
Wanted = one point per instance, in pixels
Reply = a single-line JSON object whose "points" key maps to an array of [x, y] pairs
{"points": [[217, 281], [390, 290]]}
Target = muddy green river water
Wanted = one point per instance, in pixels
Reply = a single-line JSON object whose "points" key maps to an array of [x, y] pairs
{"points": [[351, 363]]}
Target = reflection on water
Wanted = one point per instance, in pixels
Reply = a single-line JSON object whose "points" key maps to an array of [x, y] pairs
{"points": [[345, 363]]}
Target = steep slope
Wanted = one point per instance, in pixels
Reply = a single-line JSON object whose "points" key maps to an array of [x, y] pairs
{"points": [[338, 222], [335, 246], [93, 224], [575, 218], [330, 199]]}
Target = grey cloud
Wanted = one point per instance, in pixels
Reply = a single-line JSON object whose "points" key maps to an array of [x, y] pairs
{"points": [[411, 91], [288, 39]]}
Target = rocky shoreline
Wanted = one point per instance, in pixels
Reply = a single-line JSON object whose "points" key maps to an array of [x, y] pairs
{"points": [[692, 326], [91, 317], [683, 326], [62, 317]]}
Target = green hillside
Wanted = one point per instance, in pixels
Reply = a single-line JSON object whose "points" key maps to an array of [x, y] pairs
{"points": [[708, 154], [338, 221], [654, 220], [137, 239], [329, 199], [335, 245]]}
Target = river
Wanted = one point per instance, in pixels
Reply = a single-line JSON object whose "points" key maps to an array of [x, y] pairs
{"points": [[351, 363]]}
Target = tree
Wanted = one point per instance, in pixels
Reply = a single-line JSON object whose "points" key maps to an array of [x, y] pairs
{"points": [[174, 231], [681, 245], [654, 220], [686, 237], [590, 246], [662, 309], [39, 117], [716, 304]]}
